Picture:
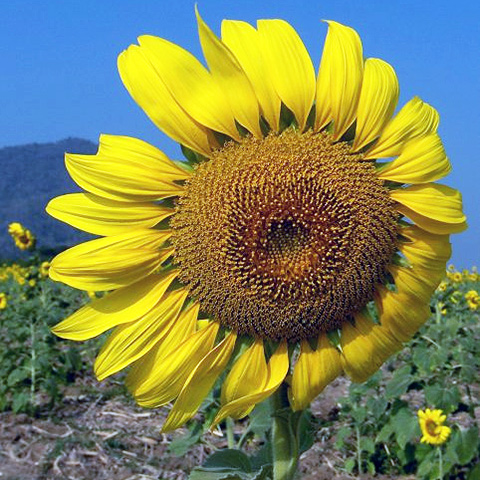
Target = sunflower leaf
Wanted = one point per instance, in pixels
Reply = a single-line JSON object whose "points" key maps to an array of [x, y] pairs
{"points": [[228, 460]]}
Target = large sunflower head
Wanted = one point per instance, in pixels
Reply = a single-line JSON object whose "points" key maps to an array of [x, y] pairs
{"points": [[303, 237]]}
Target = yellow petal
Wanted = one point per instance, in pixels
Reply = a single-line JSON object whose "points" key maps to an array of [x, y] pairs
{"points": [[121, 306], [314, 370], [289, 65], [231, 78], [400, 313], [339, 79], [378, 100], [365, 347], [101, 216], [143, 375], [111, 262], [429, 224], [248, 375], [190, 83], [436, 208], [423, 160], [130, 341], [168, 374], [415, 119], [199, 383], [418, 282], [244, 42], [152, 95], [126, 169], [425, 250], [277, 370]]}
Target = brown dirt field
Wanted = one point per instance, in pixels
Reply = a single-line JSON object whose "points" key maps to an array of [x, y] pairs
{"points": [[93, 437]]}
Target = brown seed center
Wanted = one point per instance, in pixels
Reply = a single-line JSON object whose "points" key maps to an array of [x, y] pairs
{"points": [[284, 237]]}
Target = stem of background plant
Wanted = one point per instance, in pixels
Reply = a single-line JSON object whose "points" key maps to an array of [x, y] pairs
{"points": [[33, 359], [359, 450], [438, 312], [230, 436], [285, 449], [440, 463]]}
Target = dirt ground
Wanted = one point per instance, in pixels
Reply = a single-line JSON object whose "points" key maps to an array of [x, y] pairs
{"points": [[91, 436]]}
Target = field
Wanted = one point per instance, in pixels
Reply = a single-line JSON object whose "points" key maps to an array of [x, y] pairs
{"points": [[57, 421]]}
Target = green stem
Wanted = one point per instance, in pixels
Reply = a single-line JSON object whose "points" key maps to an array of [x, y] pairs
{"points": [[242, 439], [285, 449], [440, 464], [33, 359], [230, 436], [359, 451]]}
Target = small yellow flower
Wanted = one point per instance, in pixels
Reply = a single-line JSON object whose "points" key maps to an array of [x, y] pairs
{"points": [[471, 294], [431, 423], [457, 277], [442, 287], [20, 280], [474, 303], [442, 308], [456, 296], [473, 276], [15, 228], [23, 238], [92, 295], [32, 282], [451, 268], [3, 301], [43, 270]]}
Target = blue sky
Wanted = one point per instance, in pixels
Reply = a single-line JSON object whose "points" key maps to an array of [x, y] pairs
{"points": [[59, 76]]}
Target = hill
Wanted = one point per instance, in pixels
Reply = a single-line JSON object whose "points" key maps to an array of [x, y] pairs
{"points": [[30, 176]]}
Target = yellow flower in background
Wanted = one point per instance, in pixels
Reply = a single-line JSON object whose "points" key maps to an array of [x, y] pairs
{"points": [[457, 277], [290, 223], [43, 270], [473, 299], [442, 308], [471, 294], [32, 282], [3, 301], [474, 304], [23, 238], [442, 287], [474, 276], [432, 426], [15, 228]]}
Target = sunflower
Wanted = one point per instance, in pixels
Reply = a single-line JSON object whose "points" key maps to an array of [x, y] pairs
{"points": [[43, 269], [432, 426], [302, 239], [23, 238], [3, 301]]}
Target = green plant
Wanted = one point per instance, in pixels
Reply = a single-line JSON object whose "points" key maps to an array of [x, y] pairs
{"points": [[379, 429], [34, 363]]}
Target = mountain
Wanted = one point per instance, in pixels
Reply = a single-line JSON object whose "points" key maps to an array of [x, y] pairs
{"points": [[30, 176]]}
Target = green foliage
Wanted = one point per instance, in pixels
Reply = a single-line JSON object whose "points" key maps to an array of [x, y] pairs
{"points": [[376, 430], [35, 362], [440, 368]]}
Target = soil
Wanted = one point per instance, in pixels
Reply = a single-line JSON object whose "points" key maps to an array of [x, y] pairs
{"points": [[94, 436]]}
